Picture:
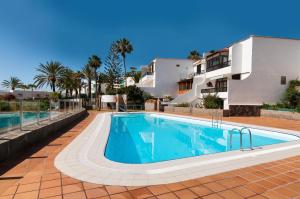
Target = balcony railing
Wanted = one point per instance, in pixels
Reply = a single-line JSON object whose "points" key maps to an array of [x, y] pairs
{"points": [[219, 66], [199, 72], [147, 73], [214, 90]]}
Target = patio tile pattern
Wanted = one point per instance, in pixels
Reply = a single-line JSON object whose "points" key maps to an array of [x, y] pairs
{"points": [[26, 177]]}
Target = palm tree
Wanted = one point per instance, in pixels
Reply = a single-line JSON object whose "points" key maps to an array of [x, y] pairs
{"points": [[124, 47], [12, 83], [66, 81], [88, 74], [32, 87], [78, 76], [194, 55], [24, 87], [102, 78], [49, 74], [95, 62]]}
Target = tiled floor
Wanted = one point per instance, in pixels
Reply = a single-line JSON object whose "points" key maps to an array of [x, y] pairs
{"points": [[34, 176]]}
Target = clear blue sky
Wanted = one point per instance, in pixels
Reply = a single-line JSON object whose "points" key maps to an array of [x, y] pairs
{"points": [[36, 31]]}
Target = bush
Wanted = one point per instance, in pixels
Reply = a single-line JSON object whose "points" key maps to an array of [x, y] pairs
{"points": [[4, 106], [291, 96], [147, 96], [212, 101], [298, 107], [55, 96], [8, 97], [182, 105]]}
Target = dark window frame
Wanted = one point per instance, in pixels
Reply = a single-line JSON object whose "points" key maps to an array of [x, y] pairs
{"points": [[283, 80]]}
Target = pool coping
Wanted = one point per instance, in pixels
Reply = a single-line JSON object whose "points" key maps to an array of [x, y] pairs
{"points": [[89, 164]]}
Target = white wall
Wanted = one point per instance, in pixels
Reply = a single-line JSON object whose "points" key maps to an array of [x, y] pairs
{"points": [[270, 58], [167, 74]]}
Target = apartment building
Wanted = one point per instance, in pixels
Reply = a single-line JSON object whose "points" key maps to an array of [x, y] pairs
{"points": [[246, 74], [161, 76]]}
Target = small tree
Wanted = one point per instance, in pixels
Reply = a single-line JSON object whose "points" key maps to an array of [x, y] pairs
{"points": [[12, 83], [123, 46], [291, 96], [134, 94], [194, 55], [113, 69], [212, 101]]}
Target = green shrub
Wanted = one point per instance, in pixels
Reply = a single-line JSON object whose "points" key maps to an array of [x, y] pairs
{"points": [[212, 101], [291, 96], [298, 107], [5, 106], [184, 104]]}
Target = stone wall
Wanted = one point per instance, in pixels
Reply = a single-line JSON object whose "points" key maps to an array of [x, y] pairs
{"points": [[280, 114], [151, 105], [192, 111], [17, 141], [244, 110]]}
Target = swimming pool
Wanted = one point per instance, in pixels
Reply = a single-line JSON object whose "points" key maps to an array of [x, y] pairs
{"points": [[144, 150], [10, 120], [148, 138]]}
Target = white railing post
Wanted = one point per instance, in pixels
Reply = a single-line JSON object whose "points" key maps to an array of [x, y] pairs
{"points": [[65, 106], [50, 109], [21, 114]]}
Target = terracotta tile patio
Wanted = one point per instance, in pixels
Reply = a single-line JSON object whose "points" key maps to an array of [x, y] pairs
{"points": [[33, 175]]}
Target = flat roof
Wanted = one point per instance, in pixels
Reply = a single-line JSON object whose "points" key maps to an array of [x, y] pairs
{"points": [[261, 36]]}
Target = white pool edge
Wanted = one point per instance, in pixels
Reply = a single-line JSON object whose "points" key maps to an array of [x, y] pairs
{"points": [[84, 159]]}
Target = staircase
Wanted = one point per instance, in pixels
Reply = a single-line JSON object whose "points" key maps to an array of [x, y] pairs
{"points": [[193, 94]]}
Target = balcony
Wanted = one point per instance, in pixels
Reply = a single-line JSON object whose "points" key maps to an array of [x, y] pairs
{"points": [[146, 80], [147, 73], [214, 90], [218, 66], [199, 72]]}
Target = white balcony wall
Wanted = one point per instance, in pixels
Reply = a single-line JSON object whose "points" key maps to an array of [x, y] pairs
{"points": [[270, 59], [167, 73]]}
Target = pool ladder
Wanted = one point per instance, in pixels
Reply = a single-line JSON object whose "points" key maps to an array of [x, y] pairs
{"points": [[241, 133], [216, 120]]}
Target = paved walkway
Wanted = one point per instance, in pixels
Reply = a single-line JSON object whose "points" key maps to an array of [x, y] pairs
{"points": [[34, 176]]}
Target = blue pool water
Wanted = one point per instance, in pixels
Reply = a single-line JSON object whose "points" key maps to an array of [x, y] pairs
{"points": [[13, 119], [148, 138]]}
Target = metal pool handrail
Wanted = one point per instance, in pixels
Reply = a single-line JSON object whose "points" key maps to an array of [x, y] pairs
{"points": [[240, 131]]}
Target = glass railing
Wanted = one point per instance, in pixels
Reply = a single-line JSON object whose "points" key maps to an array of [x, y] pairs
{"points": [[214, 90], [147, 73], [218, 66], [28, 114]]}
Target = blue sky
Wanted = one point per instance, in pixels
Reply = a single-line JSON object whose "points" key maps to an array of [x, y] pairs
{"points": [[69, 31]]}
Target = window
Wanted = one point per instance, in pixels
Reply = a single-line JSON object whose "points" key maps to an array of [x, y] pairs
{"points": [[221, 85], [199, 69], [217, 62], [236, 76], [177, 65], [283, 80]]}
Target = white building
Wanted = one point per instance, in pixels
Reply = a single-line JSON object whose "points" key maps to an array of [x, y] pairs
{"points": [[160, 77], [26, 94], [246, 74]]}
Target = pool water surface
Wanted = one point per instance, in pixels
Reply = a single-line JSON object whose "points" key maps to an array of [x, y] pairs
{"points": [[148, 138]]}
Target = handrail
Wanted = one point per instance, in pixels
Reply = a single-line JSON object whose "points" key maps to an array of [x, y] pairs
{"points": [[218, 120], [250, 136], [241, 137], [230, 133]]}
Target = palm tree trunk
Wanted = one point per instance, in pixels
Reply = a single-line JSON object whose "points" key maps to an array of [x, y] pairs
{"points": [[53, 87], [90, 89], [125, 80], [96, 89], [79, 91], [76, 93]]}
